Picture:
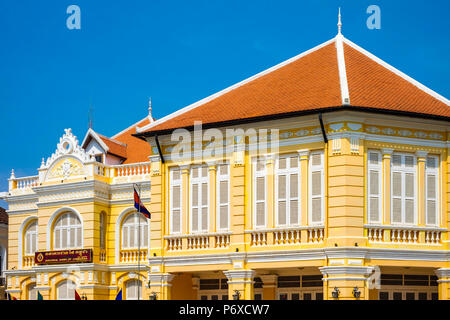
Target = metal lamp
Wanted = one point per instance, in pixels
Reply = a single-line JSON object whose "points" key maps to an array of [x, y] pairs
{"points": [[153, 296], [335, 293], [356, 292], [236, 295]]}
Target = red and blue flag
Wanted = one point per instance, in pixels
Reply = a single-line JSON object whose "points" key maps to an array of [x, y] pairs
{"points": [[139, 206]]}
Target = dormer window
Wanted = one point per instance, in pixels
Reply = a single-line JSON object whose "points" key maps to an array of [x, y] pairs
{"points": [[99, 158]]}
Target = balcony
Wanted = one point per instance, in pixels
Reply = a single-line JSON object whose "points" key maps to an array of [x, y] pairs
{"points": [[404, 234], [286, 236], [134, 256], [28, 262], [217, 240]]}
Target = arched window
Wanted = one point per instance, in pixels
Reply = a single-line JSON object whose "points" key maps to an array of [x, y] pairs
{"points": [[133, 288], [130, 226], [66, 290], [30, 237], [32, 292], [67, 232]]}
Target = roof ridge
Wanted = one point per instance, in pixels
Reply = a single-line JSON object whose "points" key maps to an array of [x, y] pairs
{"points": [[397, 72], [235, 86], [130, 127], [111, 139], [345, 95]]}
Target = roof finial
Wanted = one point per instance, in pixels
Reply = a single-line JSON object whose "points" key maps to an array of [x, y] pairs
{"points": [[339, 21], [150, 109]]}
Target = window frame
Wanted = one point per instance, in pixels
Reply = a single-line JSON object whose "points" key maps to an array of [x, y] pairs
{"points": [[404, 170], [378, 167], [66, 228], [34, 233], [220, 178], [287, 172], [175, 183], [315, 168], [255, 175], [435, 171], [134, 226], [199, 180]]}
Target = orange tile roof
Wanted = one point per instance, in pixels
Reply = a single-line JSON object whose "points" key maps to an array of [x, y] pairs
{"points": [[137, 149], [309, 82], [115, 147]]}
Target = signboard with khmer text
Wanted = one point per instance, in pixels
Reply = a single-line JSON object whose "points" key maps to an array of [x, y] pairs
{"points": [[63, 256]]}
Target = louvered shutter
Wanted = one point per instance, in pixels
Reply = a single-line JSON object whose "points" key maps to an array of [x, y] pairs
{"points": [[316, 187], [260, 198], [282, 197], [374, 187], [204, 206], [409, 198], [432, 186], [223, 198], [396, 197], [294, 196]]}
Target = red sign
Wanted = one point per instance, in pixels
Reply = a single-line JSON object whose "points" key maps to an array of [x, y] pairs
{"points": [[63, 256]]}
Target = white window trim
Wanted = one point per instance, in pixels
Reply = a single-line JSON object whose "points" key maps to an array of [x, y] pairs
{"points": [[287, 172], [404, 170], [32, 232], [434, 171], [67, 229], [199, 180], [379, 168], [220, 178], [312, 168], [257, 174], [54, 216], [175, 183], [135, 225]]}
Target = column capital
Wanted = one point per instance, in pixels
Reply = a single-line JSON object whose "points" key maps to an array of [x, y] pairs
{"points": [[421, 154], [156, 158], [269, 280], [347, 272], [161, 278], [303, 153], [443, 273], [236, 275], [387, 151]]}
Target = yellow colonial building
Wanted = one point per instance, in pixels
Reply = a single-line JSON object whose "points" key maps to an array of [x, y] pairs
{"points": [[323, 177]]}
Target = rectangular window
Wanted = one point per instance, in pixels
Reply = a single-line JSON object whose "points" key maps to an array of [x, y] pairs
{"points": [[403, 189], [259, 193], [199, 182], [316, 189], [432, 190], [287, 186], [374, 187], [223, 197], [175, 198]]}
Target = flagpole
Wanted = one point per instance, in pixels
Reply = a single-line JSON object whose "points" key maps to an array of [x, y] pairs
{"points": [[139, 245]]}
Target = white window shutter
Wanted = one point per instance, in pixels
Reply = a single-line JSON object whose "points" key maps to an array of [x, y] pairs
{"points": [[432, 191], [374, 187]]}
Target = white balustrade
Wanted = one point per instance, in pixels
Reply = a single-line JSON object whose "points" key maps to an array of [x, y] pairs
{"points": [[174, 243], [28, 261], [222, 240], [136, 169], [27, 182], [198, 242], [287, 236], [259, 238], [404, 234], [375, 234], [133, 256], [433, 237], [316, 234]]}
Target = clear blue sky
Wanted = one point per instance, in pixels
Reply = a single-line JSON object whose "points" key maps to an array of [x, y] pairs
{"points": [[177, 52]]}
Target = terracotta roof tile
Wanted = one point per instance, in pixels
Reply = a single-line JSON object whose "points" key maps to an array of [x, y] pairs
{"points": [[312, 82], [115, 147], [137, 149]]}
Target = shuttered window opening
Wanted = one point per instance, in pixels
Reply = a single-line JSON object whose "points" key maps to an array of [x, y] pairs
{"points": [[432, 191], [259, 193], [316, 187], [102, 230], [403, 189], [408, 280], [213, 284], [223, 197], [312, 281], [31, 239], [134, 232], [199, 186], [133, 289], [287, 184], [66, 290], [374, 192], [288, 282], [67, 232], [175, 201]]}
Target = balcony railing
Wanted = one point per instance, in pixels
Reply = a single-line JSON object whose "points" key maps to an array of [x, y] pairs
{"points": [[118, 174], [133, 255], [404, 234], [102, 256], [198, 241], [286, 236], [28, 261]]}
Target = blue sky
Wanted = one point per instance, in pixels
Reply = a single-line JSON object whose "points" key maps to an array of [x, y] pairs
{"points": [[177, 52]]}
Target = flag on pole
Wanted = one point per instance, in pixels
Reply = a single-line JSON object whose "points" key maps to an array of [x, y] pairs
{"points": [[39, 296], [11, 297], [119, 295], [77, 296], [139, 206]]}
